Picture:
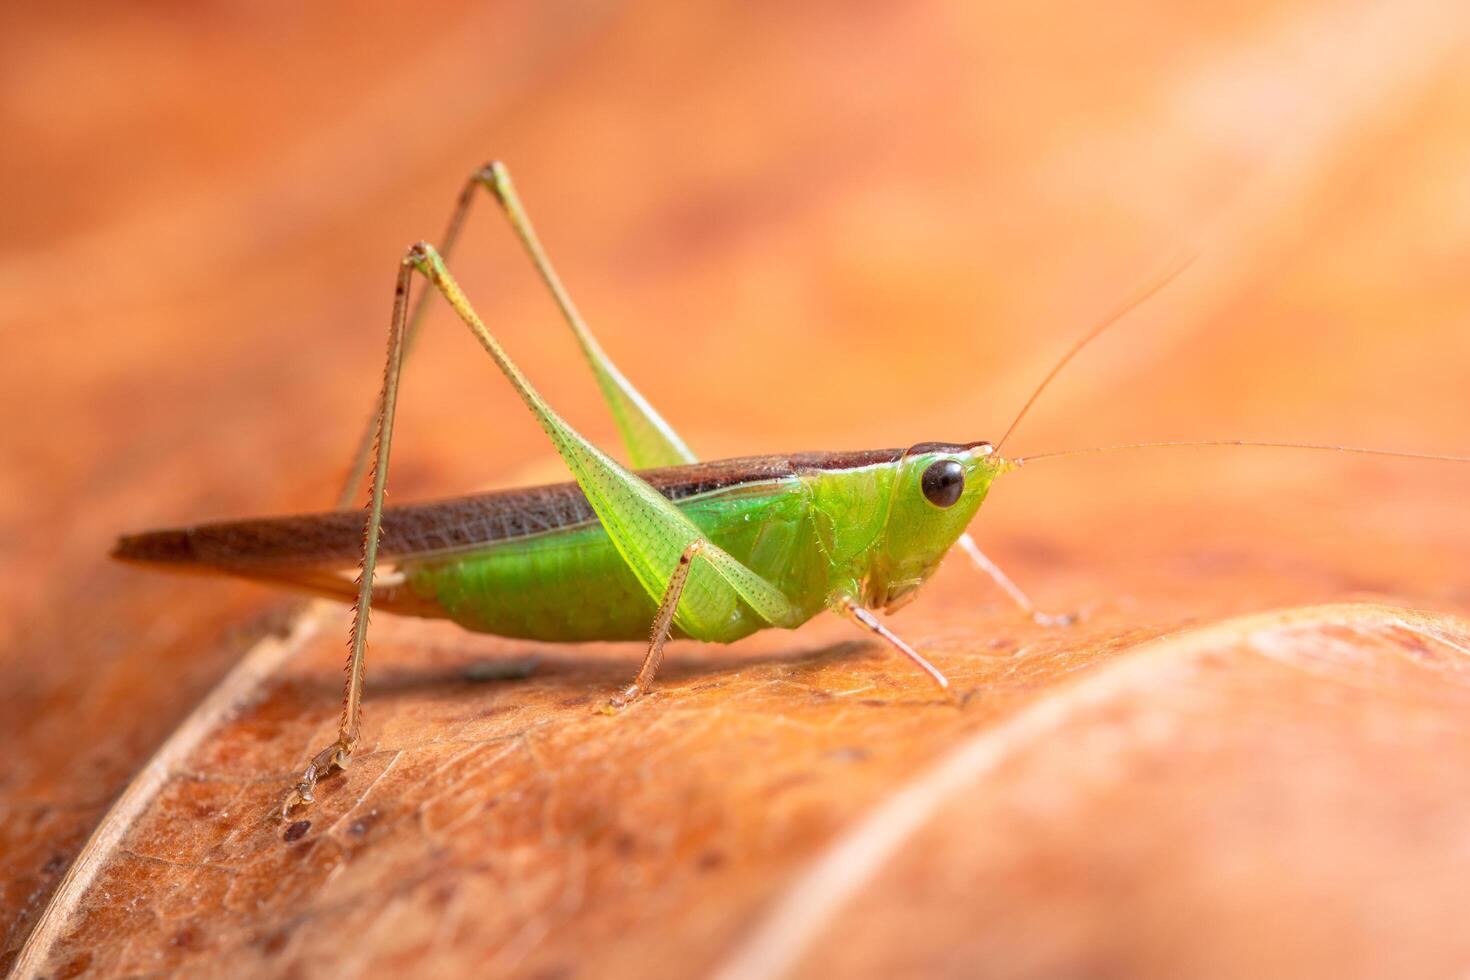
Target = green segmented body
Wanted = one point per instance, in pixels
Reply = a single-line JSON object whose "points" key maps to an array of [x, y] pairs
{"points": [[572, 585], [538, 564]]}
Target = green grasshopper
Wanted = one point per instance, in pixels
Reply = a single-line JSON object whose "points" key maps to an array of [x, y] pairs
{"points": [[714, 551]]}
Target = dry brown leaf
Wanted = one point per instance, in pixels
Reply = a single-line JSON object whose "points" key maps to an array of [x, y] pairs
{"points": [[1248, 759], [816, 807]]}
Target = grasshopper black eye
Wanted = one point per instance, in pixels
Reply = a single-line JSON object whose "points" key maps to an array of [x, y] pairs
{"points": [[943, 482]]}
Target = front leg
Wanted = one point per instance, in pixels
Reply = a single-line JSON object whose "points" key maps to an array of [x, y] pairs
{"points": [[1022, 600], [849, 608]]}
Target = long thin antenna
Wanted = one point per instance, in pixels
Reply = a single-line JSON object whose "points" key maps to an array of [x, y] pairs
{"points": [[1249, 443], [1149, 288]]}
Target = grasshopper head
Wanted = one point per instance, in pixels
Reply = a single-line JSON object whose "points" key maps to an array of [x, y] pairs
{"points": [[936, 491]]}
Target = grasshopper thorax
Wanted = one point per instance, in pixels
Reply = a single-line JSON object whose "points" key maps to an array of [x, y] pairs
{"points": [[886, 527]]}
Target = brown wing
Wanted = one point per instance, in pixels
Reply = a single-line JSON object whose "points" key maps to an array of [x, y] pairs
{"points": [[283, 547]]}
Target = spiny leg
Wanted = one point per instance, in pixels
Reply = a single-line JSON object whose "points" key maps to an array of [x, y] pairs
{"points": [[410, 330], [649, 531], [869, 622], [662, 624], [1022, 600], [649, 439], [335, 755]]}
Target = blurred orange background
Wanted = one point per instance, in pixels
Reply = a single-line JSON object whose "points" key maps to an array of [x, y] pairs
{"points": [[794, 227]]}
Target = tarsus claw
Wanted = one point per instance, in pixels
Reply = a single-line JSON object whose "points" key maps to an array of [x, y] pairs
{"points": [[621, 700], [300, 796], [332, 757]]}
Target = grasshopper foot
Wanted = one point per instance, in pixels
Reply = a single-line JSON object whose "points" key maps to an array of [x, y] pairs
{"points": [[621, 700], [332, 757]]}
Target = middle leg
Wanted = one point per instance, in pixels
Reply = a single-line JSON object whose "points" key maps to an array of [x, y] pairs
{"points": [[662, 625]]}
